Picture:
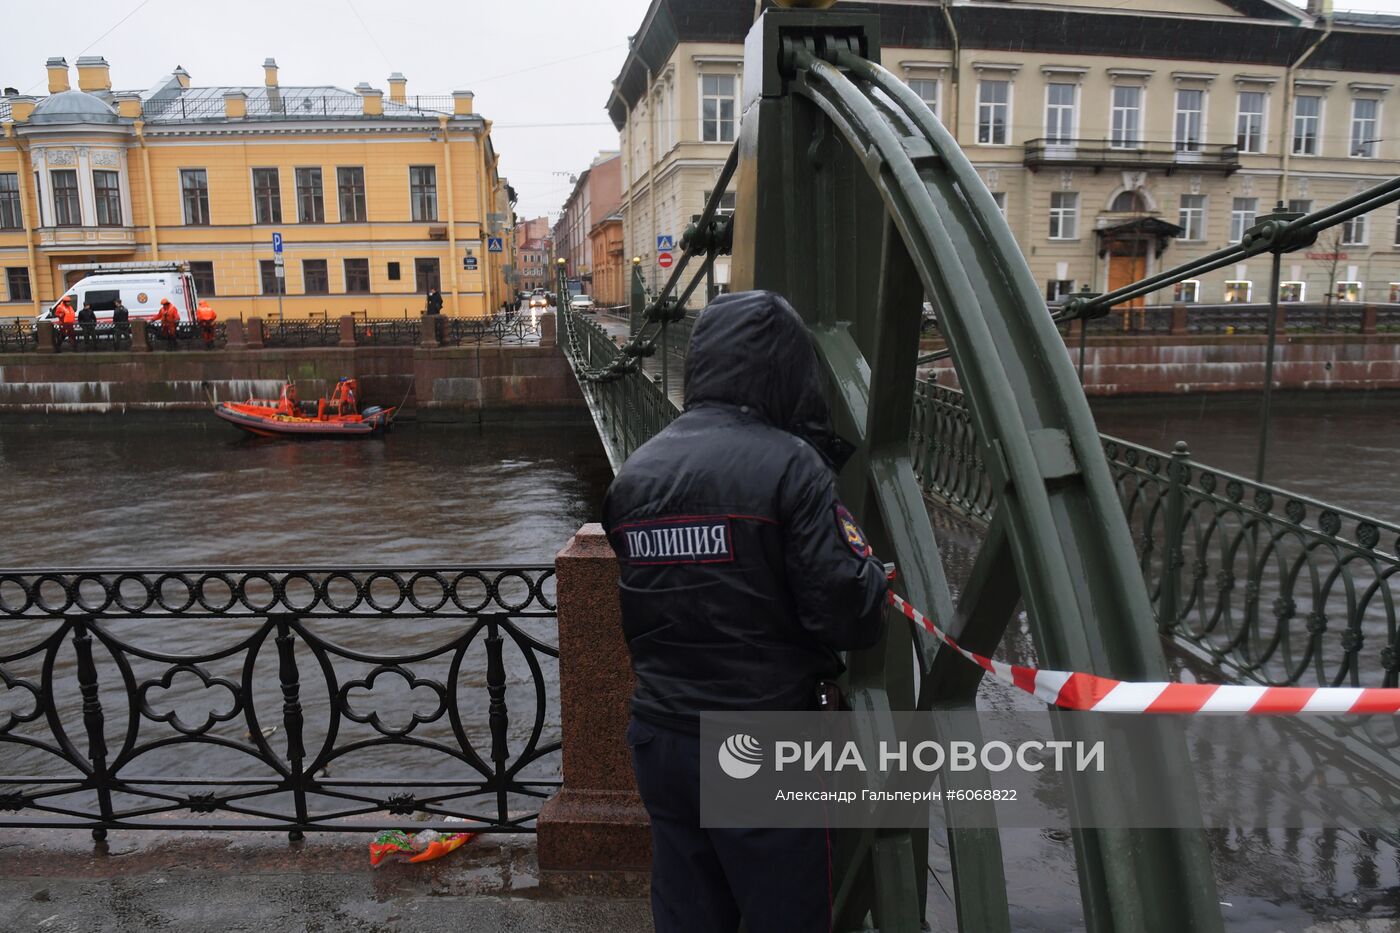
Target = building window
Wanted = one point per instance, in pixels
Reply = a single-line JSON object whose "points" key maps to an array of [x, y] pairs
{"points": [[1000, 198], [927, 91], [1237, 291], [1300, 206], [1057, 290], [1365, 114], [1188, 291], [726, 203], [315, 280], [1354, 231], [357, 276], [1192, 217], [267, 196], [422, 191], [993, 111], [194, 191], [351, 182], [1348, 291], [1307, 115], [203, 275], [311, 200], [392, 270], [107, 190], [1126, 117], [66, 207], [10, 216], [1242, 215], [1190, 107], [1394, 292], [272, 283], [425, 274], [1064, 215], [1291, 291], [17, 279], [1059, 113], [717, 106], [1249, 122]]}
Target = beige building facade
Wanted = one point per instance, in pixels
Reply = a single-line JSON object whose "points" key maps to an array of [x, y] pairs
{"points": [[1119, 142]]}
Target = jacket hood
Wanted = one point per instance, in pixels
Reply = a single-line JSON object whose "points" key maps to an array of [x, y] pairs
{"points": [[752, 349]]}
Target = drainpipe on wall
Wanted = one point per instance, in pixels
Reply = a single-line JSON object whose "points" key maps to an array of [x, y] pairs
{"points": [[955, 78], [26, 180], [482, 227], [451, 215], [651, 170], [150, 184], [1286, 130]]}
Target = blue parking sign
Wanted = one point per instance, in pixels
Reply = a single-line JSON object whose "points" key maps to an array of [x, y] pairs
{"points": [[494, 244], [277, 243]]}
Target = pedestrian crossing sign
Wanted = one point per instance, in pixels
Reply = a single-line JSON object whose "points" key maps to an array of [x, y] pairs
{"points": [[493, 244], [665, 243]]}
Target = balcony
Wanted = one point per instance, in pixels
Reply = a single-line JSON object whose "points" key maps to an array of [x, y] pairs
{"points": [[1099, 154], [87, 239]]}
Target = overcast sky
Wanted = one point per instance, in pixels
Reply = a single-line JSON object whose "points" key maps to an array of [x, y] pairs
{"points": [[541, 69]]}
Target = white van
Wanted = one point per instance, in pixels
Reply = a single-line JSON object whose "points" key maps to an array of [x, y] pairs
{"points": [[141, 287]]}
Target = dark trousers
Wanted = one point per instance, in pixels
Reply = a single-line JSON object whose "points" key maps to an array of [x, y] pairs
{"points": [[706, 880]]}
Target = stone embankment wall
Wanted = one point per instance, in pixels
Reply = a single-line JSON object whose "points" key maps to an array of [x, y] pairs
{"points": [[1182, 365], [468, 383]]}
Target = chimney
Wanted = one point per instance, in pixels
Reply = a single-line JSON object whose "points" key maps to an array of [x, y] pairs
{"points": [[373, 99], [129, 105], [235, 105], [270, 72], [93, 74], [398, 88], [58, 75], [182, 76], [462, 103], [1321, 8], [21, 108]]}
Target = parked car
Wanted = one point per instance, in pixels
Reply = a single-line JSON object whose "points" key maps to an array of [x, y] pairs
{"points": [[581, 303]]}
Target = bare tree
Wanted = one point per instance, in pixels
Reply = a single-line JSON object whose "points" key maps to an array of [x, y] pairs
{"points": [[1331, 258]]}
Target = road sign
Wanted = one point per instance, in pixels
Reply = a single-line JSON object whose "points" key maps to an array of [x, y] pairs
{"points": [[664, 260], [664, 243], [280, 270], [277, 260], [277, 243], [494, 244], [469, 263]]}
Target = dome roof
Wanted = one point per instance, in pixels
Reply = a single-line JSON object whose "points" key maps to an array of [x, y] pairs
{"points": [[73, 107]]}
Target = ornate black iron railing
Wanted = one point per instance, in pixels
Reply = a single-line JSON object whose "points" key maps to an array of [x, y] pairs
{"points": [[263, 698], [388, 332], [300, 333], [1264, 584], [18, 337], [511, 328]]}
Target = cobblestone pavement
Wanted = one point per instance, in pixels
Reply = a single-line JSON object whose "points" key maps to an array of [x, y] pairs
{"points": [[61, 881]]}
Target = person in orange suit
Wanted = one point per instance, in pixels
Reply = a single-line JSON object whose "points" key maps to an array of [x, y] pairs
{"points": [[67, 320], [206, 317], [169, 319]]}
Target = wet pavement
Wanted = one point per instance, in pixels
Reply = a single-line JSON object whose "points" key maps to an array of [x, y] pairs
{"points": [[62, 881]]}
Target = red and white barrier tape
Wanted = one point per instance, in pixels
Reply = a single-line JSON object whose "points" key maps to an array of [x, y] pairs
{"points": [[1103, 695]]}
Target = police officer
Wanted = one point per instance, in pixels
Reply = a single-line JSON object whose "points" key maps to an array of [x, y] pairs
{"points": [[742, 575]]}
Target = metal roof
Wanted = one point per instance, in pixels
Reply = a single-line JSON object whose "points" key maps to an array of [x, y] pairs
{"points": [[317, 102]]}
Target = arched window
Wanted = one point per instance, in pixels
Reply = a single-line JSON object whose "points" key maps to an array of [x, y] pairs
{"points": [[1129, 202]]}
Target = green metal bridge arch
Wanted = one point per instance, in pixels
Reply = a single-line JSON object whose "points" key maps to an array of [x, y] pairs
{"points": [[856, 203]]}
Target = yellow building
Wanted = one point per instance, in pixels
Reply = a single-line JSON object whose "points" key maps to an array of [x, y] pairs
{"points": [[376, 199]]}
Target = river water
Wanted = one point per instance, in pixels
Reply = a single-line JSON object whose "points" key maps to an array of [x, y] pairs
{"points": [[109, 493]]}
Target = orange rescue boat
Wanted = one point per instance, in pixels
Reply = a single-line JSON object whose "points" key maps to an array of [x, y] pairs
{"points": [[337, 416]]}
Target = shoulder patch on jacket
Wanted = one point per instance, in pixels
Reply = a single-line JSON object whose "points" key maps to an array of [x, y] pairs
{"points": [[846, 523], [687, 539]]}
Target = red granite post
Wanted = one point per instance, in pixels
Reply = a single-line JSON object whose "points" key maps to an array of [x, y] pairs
{"points": [[255, 333], [428, 332], [547, 329], [1368, 319], [597, 821], [44, 334], [347, 331], [139, 341], [1180, 316], [237, 336]]}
